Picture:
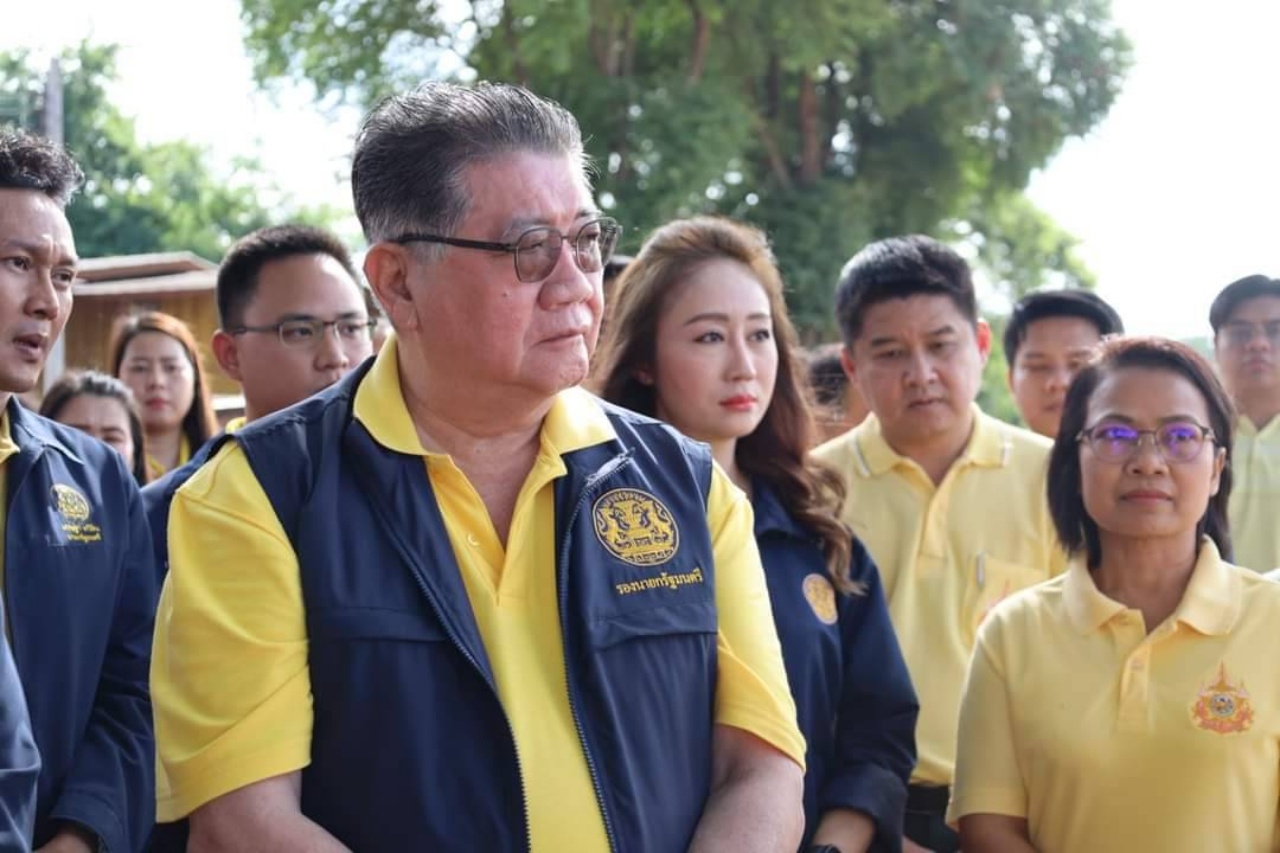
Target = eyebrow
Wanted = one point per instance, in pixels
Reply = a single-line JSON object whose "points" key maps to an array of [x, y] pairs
{"points": [[1171, 419], [941, 330], [523, 223], [712, 316], [297, 315], [38, 249]]}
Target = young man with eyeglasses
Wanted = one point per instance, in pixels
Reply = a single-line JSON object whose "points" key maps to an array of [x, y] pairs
{"points": [[455, 602], [1245, 318], [293, 321]]}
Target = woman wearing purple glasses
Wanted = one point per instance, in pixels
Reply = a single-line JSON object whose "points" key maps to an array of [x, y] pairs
{"points": [[1132, 703]]}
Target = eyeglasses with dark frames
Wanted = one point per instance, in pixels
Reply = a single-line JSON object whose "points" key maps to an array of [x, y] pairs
{"points": [[302, 332], [537, 251], [1176, 441]]}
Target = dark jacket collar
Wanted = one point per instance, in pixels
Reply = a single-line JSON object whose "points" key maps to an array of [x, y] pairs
{"points": [[31, 432], [771, 517]]}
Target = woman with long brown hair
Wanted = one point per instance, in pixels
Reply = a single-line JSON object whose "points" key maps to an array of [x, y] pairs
{"points": [[156, 355], [700, 337]]}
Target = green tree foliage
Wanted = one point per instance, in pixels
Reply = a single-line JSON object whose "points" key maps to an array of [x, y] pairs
{"points": [[828, 122], [137, 197]]}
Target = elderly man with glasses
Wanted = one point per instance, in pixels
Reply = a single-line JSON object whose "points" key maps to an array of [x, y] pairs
{"points": [[1245, 317], [455, 602]]}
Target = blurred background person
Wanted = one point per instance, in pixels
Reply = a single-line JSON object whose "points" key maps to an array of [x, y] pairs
{"points": [[1245, 318], [1050, 336], [837, 404], [703, 341], [1107, 710], [156, 355], [103, 407]]}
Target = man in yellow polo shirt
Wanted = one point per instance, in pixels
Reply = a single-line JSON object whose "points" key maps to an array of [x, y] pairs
{"points": [[1245, 318], [949, 501], [453, 603], [293, 320]]}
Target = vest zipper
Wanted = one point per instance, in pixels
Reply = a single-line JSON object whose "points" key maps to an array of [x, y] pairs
{"points": [[457, 643], [587, 492]]}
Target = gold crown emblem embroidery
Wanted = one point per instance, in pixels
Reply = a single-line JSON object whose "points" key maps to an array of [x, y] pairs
{"points": [[1223, 707]]}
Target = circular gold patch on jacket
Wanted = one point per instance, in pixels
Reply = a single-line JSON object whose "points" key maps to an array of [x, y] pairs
{"points": [[821, 596], [636, 527], [70, 504]]}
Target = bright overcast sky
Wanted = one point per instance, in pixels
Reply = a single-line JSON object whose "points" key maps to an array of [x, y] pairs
{"points": [[1173, 196]]}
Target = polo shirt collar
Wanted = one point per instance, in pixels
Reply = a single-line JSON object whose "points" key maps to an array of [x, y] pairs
{"points": [[1247, 428], [988, 447], [1211, 604], [575, 420]]}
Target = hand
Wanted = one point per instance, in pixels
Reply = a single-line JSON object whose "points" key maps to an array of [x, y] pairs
{"points": [[69, 840], [909, 846]]}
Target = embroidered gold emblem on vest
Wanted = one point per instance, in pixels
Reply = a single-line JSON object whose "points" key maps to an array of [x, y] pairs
{"points": [[636, 527], [1223, 707], [74, 510], [821, 596]]}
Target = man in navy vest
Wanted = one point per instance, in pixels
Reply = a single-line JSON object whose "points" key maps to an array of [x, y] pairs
{"points": [[293, 320], [78, 577], [454, 602]]}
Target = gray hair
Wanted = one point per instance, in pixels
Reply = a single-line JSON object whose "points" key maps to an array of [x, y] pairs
{"points": [[413, 151], [30, 162]]}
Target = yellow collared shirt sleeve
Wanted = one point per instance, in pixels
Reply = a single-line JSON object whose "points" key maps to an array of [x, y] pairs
{"points": [[229, 680], [988, 778], [752, 693]]}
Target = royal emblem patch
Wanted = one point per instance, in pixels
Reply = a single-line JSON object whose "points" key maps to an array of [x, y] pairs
{"points": [[1223, 707], [636, 527], [821, 596], [75, 513]]}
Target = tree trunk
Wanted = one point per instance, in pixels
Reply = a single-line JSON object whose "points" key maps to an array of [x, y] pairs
{"points": [[810, 128], [512, 39], [701, 37], [773, 86]]}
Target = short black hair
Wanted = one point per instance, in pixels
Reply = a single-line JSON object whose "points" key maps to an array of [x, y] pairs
{"points": [[238, 275], [615, 266], [897, 268], [827, 379], [30, 162], [1240, 290], [1077, 532], [1043, 304]]}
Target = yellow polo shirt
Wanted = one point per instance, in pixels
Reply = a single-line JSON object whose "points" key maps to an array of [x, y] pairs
{"points": [[1254, 506], [156, 469], [947, 554], [1106, 738], [230, 683]]}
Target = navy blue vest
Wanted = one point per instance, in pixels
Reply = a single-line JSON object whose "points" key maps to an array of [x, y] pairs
{"points": [[411, 747]]}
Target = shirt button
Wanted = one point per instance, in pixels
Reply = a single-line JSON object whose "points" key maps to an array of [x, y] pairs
{"points": [[472, 540]]}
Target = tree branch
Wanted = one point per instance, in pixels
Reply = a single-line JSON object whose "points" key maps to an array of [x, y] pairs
{"points": [[701, 37]]}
